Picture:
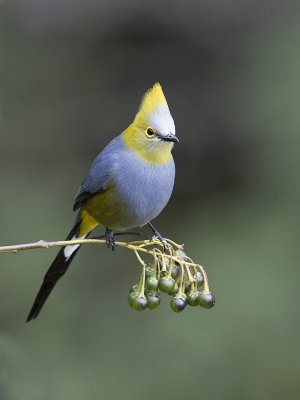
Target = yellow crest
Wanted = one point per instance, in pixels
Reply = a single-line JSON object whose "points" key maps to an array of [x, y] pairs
{"points": [[134, 136], [151, 99]]}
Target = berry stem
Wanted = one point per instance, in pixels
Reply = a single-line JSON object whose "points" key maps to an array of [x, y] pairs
{"points": [[141, 285], [139, 257], [179, 246], [163, 262], [190, 277], [181, 286], [206, 286]]}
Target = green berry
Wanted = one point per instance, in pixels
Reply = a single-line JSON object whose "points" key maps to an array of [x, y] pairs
{"points": [[166, 283], [133, 288], [181, 254], [149, 271], [192, 298], [178, 302], [153, 300], [199, 279], [174, 290], [187, 287], [139, 303], [151, 283], [206, 300], [174, 271], [146, 290], [131, 298]]}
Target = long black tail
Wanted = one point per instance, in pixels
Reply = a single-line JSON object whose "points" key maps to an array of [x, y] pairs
{"points": [[54, 273]]}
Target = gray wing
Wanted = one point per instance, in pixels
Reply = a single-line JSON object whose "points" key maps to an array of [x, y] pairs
{"points": [[99, 173], [88, 188]]}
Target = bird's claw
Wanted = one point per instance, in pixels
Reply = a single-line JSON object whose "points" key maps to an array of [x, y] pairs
{"points": [[157, 236]]}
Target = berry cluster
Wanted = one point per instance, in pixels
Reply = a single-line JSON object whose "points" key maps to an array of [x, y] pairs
{"points": [[184, 281]]}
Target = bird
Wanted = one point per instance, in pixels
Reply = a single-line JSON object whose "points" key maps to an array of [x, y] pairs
{"points": [[128, 185]]}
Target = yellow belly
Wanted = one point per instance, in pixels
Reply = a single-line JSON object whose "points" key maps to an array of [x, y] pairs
{"points": [[104, 209]]}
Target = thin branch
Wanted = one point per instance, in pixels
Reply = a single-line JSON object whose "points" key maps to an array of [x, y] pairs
{"points": [[138, 246], [43, 244]]}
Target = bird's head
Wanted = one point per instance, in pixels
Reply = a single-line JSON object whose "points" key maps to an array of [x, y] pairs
{"points": [[152, 134]]}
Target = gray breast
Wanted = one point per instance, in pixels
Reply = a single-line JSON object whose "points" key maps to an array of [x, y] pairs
{"points": [[143, 188]]}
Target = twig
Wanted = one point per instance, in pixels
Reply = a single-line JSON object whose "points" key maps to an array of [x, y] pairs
{"points": [[138, 246]]}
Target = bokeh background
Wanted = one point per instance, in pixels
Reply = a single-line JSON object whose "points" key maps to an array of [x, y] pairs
{"points": [[72, 76]]}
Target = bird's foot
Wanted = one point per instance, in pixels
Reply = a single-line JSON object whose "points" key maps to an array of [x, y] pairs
{"points": [[110, 241], [158, 236], [161, 239]]}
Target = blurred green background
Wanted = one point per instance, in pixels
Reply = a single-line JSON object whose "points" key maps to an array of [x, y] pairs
{"points": [[72, 76]]}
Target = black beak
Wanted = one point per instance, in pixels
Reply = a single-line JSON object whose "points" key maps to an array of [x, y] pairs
{"points": [[170, 138]]}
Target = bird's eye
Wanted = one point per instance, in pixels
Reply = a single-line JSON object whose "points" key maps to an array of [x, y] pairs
{"points": [[150, 132]]}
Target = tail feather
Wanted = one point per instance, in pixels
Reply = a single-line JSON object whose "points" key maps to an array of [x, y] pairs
{"points": [[54, 273]]}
